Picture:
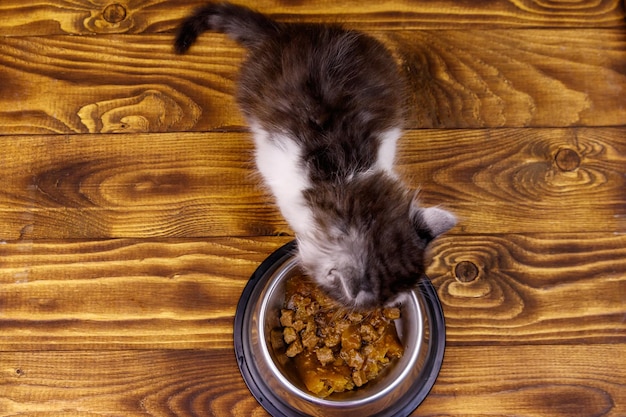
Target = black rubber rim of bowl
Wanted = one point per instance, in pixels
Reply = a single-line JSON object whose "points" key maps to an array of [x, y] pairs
{"points": [[273, 405]]}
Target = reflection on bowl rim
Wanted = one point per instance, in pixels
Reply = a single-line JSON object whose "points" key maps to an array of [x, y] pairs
{"points": [[282, 262]]}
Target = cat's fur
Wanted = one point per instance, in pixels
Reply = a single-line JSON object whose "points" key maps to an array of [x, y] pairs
{"points": [[325, 106]]}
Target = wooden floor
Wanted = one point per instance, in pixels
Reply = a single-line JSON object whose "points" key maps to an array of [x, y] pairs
{"points": [[130, 217]]}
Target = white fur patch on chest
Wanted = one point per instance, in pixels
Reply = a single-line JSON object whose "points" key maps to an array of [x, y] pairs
{"points": [[386, 158], [278, 159]]}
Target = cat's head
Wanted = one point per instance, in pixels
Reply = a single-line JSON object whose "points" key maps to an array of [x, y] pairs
{"points": [[370, 241]]}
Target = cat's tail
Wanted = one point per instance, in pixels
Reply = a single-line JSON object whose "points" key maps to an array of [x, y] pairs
{"points": [[240, 23]]}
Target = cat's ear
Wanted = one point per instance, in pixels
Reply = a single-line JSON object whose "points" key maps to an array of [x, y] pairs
{"points": [[433, 221]]}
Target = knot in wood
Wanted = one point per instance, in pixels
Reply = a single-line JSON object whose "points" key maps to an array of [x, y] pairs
{"points": [[567, 160], [114, 13], [466, 271]]}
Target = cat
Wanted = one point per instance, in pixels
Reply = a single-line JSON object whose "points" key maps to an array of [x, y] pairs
{"points": [[325, 107]]}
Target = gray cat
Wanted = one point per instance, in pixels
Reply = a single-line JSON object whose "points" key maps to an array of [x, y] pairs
{"points": [[325, 106]]}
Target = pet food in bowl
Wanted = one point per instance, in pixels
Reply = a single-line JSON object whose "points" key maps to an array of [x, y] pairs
{"points": [[334, 349], [273, 377]]}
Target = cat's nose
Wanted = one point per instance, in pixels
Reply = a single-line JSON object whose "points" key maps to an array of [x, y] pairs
{"points": [[354, 290], [347, 280], [357, 287]]}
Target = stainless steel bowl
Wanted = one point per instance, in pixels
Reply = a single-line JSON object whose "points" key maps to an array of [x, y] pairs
{"points": [[273, 382]]}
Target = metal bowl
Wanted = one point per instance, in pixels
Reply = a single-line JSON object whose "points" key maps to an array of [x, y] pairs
{"points": [[273, 382]]}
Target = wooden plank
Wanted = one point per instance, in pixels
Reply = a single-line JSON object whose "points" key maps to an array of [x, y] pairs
{"points": [[523, 289], [180, 294], [509, 78], [458, 79], [151, 185], [52, 17], [556, 381], [521, 180], [528, 381], [119, 85], [195, 185], [125, 294]]}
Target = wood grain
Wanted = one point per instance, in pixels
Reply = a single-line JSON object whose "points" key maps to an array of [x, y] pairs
{"points": [[113, 85], [133, 294], [171, 185], [179, 294], [535, 381], [516, 181], [196, 185], [458, 79], [499, 78], [53, 17], [532, 288], [559, 381]]}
